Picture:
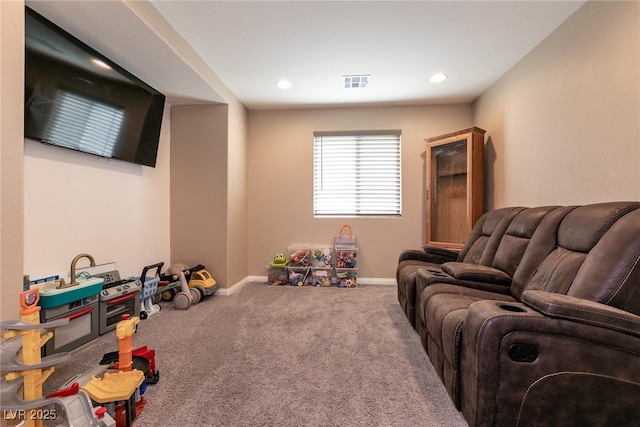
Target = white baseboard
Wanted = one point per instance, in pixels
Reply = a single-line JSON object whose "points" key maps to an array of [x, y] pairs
{"points": [[240, 284], [384, 281]]}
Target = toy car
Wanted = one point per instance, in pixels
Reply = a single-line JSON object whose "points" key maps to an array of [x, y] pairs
{"points": [[202, 283]]}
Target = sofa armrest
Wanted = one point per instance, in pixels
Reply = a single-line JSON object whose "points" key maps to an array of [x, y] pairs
{"points": [[514, 356], [452, 254], [476, 273], [583, 311], [430, 254]]}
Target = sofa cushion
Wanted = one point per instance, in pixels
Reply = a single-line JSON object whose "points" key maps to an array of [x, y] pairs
{"points": [[542, 243], [584, 226], [517, 237], [481, 245]]}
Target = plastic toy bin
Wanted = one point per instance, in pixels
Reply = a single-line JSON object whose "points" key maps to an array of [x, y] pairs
{"points": [[322, 277], [299, 276], [278, 276], [346, 277], [299, 255], [346, 257], [321, 256]]}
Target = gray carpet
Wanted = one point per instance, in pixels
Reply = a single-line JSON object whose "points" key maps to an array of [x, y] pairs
{"points": [[284, 356]]}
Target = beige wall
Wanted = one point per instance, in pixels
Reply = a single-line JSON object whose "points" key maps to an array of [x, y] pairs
{"points": [[565, 121], [11, 155], [199, 187], [208, 189], [237, 210], [280, 170], [74, 203]]}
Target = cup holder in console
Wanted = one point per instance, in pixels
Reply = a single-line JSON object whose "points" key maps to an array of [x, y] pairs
{"points": [[512, 308]]}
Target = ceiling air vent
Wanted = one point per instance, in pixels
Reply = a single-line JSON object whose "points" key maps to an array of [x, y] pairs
{"points": [[356, 81]]}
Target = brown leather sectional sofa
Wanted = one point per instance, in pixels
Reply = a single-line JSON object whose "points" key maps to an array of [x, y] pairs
{"points": [[536, 321]]}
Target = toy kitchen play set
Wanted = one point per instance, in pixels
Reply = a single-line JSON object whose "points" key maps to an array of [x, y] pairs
{"points": [[94, 301]]}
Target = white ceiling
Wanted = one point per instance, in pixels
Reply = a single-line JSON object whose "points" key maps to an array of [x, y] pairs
{"points": [[251, 44]]}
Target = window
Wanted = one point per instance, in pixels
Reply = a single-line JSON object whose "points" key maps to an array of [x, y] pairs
{"points": [[356, 173]]}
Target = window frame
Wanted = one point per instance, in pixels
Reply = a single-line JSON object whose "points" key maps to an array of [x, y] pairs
{"points": [[394, 180]]}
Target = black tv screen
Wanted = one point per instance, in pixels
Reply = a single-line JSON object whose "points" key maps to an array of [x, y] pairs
{"points": [[76, 98]]}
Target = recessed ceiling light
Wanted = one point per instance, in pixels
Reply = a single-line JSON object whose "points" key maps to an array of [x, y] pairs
{"points": [[438, 77], [283, 84]]}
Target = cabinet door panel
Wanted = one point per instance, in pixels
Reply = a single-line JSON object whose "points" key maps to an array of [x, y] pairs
{"points": [[454, 186]]}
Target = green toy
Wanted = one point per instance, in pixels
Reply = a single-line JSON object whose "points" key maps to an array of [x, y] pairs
{"points": [[279, 260]]}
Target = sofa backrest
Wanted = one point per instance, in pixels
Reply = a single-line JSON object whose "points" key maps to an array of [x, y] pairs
{"points": [[516, 238], [482, 243], [610, 273], [540, 246], [563, 241]]}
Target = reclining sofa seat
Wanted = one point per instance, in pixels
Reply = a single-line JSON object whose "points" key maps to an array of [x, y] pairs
{"points": [[570, 354], [496, 278], [479, 248], [586, 334]]}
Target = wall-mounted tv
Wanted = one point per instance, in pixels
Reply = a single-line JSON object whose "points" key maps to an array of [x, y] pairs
{"points": [[77, 98]]}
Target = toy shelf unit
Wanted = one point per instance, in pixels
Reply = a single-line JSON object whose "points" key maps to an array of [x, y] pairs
{"points": [[454, 187]]}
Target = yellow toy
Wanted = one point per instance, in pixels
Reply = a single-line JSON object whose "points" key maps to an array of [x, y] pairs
{"points": [[201, 284], [122, 385], [21, 387], [198, 284], [32, 342]]}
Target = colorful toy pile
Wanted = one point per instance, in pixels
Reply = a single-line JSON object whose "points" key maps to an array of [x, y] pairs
{"points": [[299, 256], [317, 265]]}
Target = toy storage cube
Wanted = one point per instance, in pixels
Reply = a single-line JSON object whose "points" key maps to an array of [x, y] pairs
{"points": [[346, 257], [321, 277], [346, 277], [299, 276], [278, 276], [299, 255], [322, 256]]}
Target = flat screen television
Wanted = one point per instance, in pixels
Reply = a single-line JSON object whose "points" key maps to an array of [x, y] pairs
{"points": [[77, 98]]}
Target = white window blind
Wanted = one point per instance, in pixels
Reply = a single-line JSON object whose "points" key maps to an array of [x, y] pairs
{"points": [[85, 124], [356, 174]]}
